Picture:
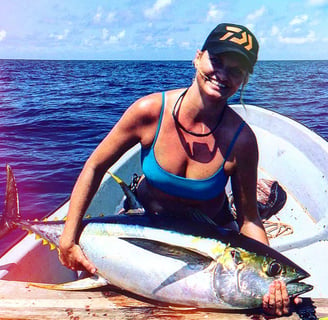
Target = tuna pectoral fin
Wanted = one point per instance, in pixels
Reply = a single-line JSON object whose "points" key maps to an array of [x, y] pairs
{"points": [[171, 251], [82, 284], [193, 262]]}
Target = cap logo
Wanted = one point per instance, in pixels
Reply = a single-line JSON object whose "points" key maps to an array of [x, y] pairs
{"points": [[237, 35]]}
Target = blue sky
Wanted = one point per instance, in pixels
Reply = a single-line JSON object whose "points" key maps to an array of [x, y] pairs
{"points": [[157, 29]]}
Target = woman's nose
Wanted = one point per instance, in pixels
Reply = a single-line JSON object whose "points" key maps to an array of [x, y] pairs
{"points": [[222, 73]]}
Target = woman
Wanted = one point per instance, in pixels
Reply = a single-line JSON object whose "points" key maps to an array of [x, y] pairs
{"points": [[191, 143]]}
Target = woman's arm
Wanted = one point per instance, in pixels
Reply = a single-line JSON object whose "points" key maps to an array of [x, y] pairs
{"points": [[244, 182], [134, 126]]}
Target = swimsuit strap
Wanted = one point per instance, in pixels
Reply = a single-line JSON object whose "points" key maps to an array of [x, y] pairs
{"points": [[232, 143], [159, 120]]}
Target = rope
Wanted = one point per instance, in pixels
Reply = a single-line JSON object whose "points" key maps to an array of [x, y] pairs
{"points": [[275, 229]]}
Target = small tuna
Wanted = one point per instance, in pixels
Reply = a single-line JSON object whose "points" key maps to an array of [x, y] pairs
{"points": [[173, 261]]}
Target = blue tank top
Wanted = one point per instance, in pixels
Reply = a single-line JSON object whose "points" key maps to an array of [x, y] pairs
{"points": [[196, 189]]}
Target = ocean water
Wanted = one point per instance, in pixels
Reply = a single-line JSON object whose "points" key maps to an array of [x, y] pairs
{"points": [[54, 113]]}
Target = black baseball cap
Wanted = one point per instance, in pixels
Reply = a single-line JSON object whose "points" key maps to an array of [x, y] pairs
{"points": [[228, 37]]}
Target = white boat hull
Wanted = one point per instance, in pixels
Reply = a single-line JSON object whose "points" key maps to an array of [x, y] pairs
{"points": [[290, 153]]}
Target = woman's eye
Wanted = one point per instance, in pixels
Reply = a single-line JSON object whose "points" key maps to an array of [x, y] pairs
{"points": [[236, 72], [216, 63]]}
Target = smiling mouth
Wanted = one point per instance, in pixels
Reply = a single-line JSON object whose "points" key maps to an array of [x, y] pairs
{"points": [[212, 80], [217, 83]]}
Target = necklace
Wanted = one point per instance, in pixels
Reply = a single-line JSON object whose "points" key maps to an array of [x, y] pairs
{"points": [[174, 114]]}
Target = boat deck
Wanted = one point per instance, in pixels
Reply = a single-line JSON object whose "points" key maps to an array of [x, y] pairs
{"points": [[18, 300]]}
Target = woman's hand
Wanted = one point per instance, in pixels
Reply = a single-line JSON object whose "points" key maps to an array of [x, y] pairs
{"points": [[73, 258], [277, 302]]}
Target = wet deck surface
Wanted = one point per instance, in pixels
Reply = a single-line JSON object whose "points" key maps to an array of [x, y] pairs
{"points": [[18, 300]]}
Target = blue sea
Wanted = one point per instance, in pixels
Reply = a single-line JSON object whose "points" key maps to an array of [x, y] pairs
{"points": [[54, 113]]}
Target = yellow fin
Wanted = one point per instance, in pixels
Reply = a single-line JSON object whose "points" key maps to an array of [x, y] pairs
{"points": [[116, 178], [45, 242], [52, 246]]}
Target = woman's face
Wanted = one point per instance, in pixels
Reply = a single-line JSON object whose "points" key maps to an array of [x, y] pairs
{"points": [[220, 74]]}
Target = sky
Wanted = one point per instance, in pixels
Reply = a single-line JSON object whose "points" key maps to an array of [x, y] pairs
{"points": [[157, 29]]}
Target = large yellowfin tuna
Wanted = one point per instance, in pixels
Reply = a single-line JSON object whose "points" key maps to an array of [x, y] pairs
{"points": [[169, 260]]}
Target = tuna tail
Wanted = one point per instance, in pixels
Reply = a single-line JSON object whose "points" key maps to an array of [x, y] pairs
{"points": [[11, 208], [133, 205]]}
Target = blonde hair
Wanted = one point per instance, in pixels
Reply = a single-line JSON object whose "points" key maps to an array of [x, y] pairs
{"points": [[243, 89]]}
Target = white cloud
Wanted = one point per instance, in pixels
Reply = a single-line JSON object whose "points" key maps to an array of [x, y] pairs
{"points": [[185, 45], [310, 37], [274, 31], [97, 17], [164, 44], [282, 36], [169, 42], [214, 14], [102, 17], [117, 37], [111, 16], [299, 20], [157, 8], [256, 14], [105, 34], [60, 37], [89, 42], [317, 2], [149, 38], [250, 26], [3, 34], [112, 38]]}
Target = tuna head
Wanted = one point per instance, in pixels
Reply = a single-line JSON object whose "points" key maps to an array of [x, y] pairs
{"points": [[243, 278]]}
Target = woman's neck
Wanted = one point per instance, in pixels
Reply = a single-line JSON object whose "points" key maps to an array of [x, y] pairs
{"points": [[200, 107], [195, 117]]}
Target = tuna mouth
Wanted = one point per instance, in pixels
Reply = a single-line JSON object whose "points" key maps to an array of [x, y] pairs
{"points": [[300, 274], [296, 288]]}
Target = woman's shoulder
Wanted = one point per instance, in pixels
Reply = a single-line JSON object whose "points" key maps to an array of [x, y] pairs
{"points": [[246, 138], [149, 103], [150, 106]]}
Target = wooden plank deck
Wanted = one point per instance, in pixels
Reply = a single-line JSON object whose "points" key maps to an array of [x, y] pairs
{"points": [[18, 300]]}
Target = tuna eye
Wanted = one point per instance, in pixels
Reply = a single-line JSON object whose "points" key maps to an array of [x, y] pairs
{"points": [[274, 269]]}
